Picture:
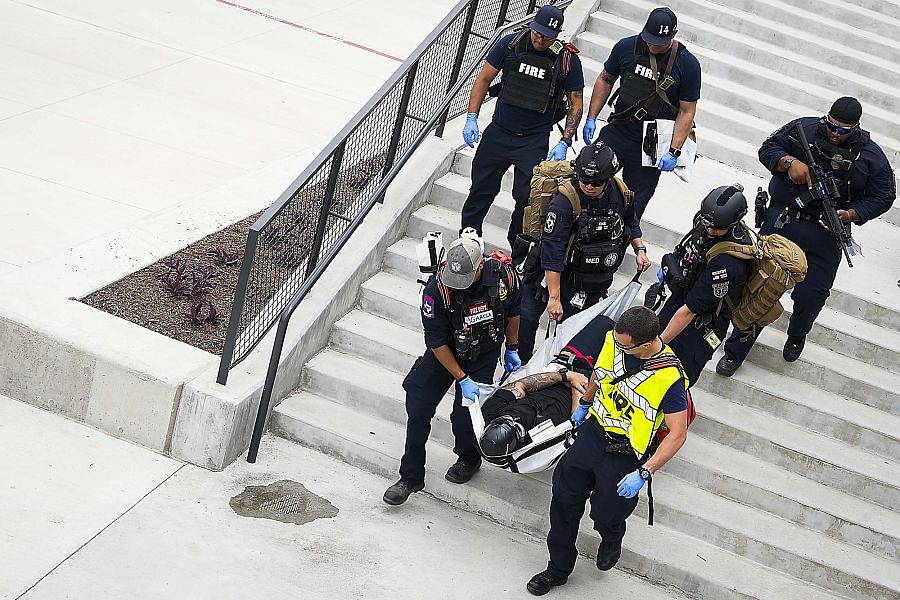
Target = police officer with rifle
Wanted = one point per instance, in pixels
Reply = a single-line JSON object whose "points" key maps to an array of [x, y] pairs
{"points": [[818, 190], [469, 307]]}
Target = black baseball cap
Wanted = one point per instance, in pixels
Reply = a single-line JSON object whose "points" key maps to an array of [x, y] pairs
{"points": [[662, 24], [548, 21]]}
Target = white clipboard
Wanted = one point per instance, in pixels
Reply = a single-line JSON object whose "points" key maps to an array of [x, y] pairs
{"points": [[664, 130]]}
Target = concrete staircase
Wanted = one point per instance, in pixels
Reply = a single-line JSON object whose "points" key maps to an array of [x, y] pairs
{"points": [[789, 484]]}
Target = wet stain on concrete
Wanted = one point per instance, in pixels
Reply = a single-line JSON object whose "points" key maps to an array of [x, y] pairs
{"points": [[286, 501]]}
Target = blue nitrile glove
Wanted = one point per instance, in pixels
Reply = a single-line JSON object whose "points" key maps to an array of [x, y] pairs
{"points": [[511, 361], [667, 162], [470, 131], [631, 484], [587, 132], [580, 414], [558, 152], [661, 274], [469, 389]]}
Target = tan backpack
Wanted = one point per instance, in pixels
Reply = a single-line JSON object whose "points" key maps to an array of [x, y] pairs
{"points": [[778, 265], [552, 177]]}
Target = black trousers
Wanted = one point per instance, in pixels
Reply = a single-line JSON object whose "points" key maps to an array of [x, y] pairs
{"points": [[497, 150], [625, 140], [532, 308], [585, 471], [425, 385], [823, 257]]}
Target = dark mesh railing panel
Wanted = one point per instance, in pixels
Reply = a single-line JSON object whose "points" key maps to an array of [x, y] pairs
{"points": [[311, 219]]}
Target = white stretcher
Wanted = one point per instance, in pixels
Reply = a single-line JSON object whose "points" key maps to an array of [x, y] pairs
{"points": [[548, 443]]}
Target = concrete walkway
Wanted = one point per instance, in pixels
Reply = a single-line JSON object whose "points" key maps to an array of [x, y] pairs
{"points": [[87, 516], [110, 114]]}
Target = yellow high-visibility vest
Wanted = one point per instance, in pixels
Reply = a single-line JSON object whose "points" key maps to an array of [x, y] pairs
{"points": [[630, 407]]}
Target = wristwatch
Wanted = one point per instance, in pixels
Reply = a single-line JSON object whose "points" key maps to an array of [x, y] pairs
{"points": [[566, 141], [563, 372], [788, 162], [641, 249], [644, 473], [676, 152]]}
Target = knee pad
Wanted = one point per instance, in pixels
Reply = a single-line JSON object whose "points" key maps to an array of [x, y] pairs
{"points": [[502, 437]]}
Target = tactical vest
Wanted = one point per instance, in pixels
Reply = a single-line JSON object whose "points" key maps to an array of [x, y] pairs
{"points": [[478, 320], [685, 263], [531, 83], [597, 244], [629, 407], [642, 92], [838, 160]]}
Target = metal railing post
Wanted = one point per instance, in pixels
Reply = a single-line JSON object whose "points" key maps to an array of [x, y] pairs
{"points": [[457, 62], [237, 308], [263, 411], [336, 159], [531, 6], [501, 15], [400, 121]]}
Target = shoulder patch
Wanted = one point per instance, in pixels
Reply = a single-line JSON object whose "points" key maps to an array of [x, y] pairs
{"points": [[427, 306], [720, 290], [720, 275], [550, 223]]}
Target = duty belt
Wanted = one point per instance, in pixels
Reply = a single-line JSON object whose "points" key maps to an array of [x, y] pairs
{"points": [[615, 443], [791, 214]]}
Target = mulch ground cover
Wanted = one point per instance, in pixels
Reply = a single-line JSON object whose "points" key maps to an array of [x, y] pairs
{"points": [[144, 298]]}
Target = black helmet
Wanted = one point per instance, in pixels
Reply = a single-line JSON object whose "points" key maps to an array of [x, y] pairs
{"points": [[596, 163], [723, 207], [503, 436]]}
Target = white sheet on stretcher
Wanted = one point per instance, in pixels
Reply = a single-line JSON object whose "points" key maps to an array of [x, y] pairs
{"points": [[546, 459]]}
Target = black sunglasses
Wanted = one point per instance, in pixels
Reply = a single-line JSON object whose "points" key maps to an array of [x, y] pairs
{"points": [[593, 183], [837, 128]]}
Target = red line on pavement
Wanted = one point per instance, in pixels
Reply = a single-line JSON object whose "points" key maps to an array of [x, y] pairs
{"points": [[310, 30]]}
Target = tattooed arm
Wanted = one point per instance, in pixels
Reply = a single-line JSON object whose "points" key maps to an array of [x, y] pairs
{"points": [[573, 118], [533, 383]]}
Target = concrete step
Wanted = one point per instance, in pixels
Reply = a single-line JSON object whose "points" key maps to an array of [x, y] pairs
{"points": [[806, 452], [881, 17], [662, 555], [771, 17], [838, 514], [596, 46], [621, 19], [820, 43], [797, 449], [804, 405]]}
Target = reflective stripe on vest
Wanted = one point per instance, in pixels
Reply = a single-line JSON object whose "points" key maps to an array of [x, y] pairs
{"points": [[631, 406]]}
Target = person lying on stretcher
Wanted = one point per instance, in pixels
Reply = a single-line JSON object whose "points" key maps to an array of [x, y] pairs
{"points": [[543, 399]]}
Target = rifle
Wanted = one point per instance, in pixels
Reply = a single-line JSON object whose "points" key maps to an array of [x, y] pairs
{"points": [[825, 191]]}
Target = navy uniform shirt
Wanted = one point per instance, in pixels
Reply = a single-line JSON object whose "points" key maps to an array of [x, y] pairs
{"points": [[522, 120], [436, 317], [685, 72], [723, 275], [560, 224], [872, 184]]}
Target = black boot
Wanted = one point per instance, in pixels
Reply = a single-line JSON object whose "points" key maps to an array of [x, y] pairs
{"points": [[400, 491], [608, 555], [727, 366], [463, 470], [541, 583], [793, 347]]}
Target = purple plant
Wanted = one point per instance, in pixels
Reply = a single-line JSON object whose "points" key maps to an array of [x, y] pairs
{"points": [[201, 312], [174, 264], [201, 282], [224, 257], [174, 282]]}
